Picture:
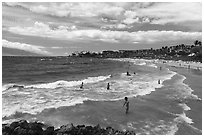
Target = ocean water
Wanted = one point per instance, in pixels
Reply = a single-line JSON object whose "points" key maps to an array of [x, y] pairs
{"points": [[48, 89]]}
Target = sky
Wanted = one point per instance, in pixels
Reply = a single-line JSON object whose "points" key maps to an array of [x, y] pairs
{"points": [[58, 29]]}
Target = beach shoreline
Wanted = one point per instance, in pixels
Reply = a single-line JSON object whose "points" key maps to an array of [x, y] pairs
{"points": [[114, 105], [194, 80], [188, 69]]}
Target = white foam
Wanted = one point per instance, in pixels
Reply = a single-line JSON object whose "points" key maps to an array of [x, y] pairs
{"points": [[141, 64], [11, 86], [131, 86], [44, 96], [183, 118], [35, 106], [160, 127], [153, 65], [45, 59], [7, 86], [184, 106], [36, 100], [184, 90], [62, 83]]}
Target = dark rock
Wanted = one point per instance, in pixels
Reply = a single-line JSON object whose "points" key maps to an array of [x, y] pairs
{"points": [[110, 130], [80, 126], [6, 130], [36, 128], [88, 127], [65, 129], [97, 127], [23, 124], [22, 127], [49, 131], [13, 125], [31, 132], [88, 130], [19, 131]]}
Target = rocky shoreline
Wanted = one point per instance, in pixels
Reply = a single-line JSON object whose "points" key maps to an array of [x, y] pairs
{"points": [[24, 127]]}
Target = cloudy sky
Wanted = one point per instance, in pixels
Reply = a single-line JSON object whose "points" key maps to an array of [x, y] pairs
{"points": [[62, 28]]}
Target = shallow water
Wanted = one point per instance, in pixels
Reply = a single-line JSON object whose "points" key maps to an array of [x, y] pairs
{"points": [[52, 94]]}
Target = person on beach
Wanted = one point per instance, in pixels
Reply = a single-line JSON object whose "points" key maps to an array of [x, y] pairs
{"points": [[82, 84], [108, 86], [126, 104], [128, 74], [159, 81]]}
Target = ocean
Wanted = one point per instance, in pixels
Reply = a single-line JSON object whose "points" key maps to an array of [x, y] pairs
{"points": [[47, 89]]}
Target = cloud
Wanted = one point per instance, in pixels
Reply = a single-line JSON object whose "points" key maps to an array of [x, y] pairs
{"points": [[56, 47], [162, 13], [43, 30], [119, 26], [128, 13], [131, 20], [25, 47], [72, 9]]}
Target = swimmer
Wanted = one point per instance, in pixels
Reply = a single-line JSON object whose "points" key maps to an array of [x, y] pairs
{"points": [[160, 68]]}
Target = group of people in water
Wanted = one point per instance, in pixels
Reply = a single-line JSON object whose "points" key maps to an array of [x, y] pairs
{"points": [[126, 103]]}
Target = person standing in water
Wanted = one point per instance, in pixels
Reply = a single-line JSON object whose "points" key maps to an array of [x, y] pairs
{"points": [[126, 104], [82, 84], [108, 86], [128, 74]]}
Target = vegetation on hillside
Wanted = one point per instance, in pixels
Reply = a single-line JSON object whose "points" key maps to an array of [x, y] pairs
{"points": [[178, 52]]}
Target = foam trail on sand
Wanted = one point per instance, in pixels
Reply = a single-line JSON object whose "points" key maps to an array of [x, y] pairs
{"points": [[183, 118], [185, 107], [184, 90], [141, 64], [153, 65]]}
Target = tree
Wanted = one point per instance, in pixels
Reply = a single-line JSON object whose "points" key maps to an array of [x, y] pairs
{"points": [[197, 42]]}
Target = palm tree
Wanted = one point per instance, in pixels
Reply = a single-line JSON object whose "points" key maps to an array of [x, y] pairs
{"points": [[197, 43]]}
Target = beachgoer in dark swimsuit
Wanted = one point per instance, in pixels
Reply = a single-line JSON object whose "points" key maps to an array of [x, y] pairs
{"points": [[82, 84], [126, 104], [108, 86], [128, 74]]}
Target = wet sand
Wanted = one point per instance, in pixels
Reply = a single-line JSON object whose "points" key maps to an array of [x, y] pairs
{"points": [[194, 80]]}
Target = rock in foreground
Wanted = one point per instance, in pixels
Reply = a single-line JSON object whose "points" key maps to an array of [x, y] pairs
{"points": [[23, 127]]}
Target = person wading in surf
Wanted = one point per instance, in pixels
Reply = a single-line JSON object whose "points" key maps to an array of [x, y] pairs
{"points": [[126, 104], [82, 84], [108, 86]]}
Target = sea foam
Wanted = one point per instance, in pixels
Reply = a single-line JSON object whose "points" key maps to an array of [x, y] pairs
{"points": [[63, 83], [39, 97]]}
